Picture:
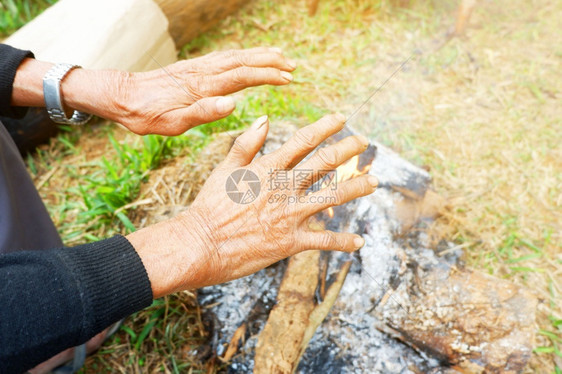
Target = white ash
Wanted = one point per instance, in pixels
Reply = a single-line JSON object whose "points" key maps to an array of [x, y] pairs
{"points": [[232, 303], [348, 340], [393, 171]]}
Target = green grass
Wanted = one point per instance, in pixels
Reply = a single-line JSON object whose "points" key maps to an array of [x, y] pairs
{"points": [[16, 13], [98, 200], [554, 335]]}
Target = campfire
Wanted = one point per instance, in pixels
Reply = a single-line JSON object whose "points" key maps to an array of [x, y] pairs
{"points": [[398, 305]]}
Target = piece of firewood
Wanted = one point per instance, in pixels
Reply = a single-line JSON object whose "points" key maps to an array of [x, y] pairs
{"points": [[280, 343], [465, 318], [237, 339], [103, 34], [189, 18]]}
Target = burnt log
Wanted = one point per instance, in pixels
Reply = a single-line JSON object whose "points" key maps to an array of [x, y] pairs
{"points": [[282, 339], [468, 319]]}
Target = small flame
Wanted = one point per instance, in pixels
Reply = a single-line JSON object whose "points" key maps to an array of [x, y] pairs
{"points": [[348, 170], [351, 169]]}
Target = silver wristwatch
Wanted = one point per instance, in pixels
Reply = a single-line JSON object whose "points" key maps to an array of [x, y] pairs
{"points": [[53, 102]]}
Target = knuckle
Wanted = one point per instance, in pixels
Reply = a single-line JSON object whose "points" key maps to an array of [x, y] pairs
{"points": [[334, 121], [241, 60], [196, 88], [246, 59], [347, 248], [329, 157], [230, 53], [357, 142], [366, 187], [339, 195], [360, 188], [237, 147], [326, 241], [241, 74], [305, 139]]}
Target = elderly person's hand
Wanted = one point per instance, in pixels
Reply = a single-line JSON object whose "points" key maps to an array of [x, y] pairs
{"points": [[165, 101], [222, 237], [172, 100]]}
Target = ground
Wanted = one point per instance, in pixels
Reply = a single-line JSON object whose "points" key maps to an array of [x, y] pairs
{"points": [[481, 112]]}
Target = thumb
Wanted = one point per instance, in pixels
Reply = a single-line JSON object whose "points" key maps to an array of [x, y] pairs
{"points": [[202, 111], [248, 144]]}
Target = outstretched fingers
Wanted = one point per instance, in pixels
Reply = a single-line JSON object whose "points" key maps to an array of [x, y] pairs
{"points": [[305, 141], [260, 57], [237, 79]]}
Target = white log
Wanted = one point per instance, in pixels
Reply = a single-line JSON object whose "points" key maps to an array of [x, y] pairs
{"points": [[102, 34]]}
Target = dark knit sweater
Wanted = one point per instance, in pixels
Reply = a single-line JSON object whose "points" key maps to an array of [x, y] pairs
{"points": [[53, 299], [10, 59]]}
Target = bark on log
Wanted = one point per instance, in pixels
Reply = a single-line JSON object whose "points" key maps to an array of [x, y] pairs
{"points": [[468, 319], [189, 18]]}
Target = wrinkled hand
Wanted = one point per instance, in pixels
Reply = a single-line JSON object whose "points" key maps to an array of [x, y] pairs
{"points": [[154, 103], [219, 239], [165, 101]]}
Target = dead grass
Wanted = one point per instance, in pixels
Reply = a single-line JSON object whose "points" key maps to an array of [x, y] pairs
{"points": [[483, 113]]}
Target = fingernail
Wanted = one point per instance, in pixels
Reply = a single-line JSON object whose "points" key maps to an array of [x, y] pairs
{"points": [[225, 105], [359, 242], [292, 63], [258, 124], [288, 76], [363, 140], [373, 181], [276, 49], [340, 117]]}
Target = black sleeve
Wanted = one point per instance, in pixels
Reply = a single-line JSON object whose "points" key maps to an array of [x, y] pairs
{"points": [[51, 300], [10, 59]]}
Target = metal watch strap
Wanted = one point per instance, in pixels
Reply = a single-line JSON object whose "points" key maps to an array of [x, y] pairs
{"points": [[52, 94]]}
